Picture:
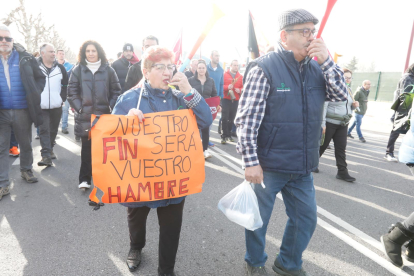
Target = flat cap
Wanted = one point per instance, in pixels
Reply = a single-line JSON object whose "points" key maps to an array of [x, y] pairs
{"points": [[296, 16]]}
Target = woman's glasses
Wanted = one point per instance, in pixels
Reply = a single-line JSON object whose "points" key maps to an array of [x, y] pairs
{"points": [[161, 67]]}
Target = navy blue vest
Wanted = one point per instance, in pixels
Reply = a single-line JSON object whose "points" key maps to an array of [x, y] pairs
{"points": [[15, 97], [289, 135]]}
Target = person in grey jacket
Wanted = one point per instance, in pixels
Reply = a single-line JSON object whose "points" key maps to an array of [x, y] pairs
{"points": [[336, 117]]}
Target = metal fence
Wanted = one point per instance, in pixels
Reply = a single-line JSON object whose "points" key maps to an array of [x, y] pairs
{"points": [[383, 84]]}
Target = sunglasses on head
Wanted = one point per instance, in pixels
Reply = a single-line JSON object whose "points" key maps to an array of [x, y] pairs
{"points": [[8, 39]]}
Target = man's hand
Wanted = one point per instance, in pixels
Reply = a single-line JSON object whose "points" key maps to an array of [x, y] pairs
{"points": [[323, 130], [318, 49], [219, 108], [355, 104], [254, 174]]}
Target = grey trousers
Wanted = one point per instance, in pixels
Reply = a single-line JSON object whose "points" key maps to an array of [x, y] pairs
{"points": [[409, 223], [20, 121], [49, 129]]}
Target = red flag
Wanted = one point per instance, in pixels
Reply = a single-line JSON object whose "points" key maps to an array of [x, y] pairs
{"points": [[213, 103], [178, 47]]}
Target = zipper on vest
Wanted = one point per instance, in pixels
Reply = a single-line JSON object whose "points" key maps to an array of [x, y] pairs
{"points": [[302, 81]]}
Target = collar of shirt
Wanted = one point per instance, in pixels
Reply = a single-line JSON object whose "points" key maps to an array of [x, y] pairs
{"points": [[7, 57]]}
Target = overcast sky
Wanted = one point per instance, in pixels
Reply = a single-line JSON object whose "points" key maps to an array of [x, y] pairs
{"points": [[373, 31]]}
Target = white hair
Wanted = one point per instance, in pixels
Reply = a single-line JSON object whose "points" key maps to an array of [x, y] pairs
{"points": [[4, 28], [42, 48]]}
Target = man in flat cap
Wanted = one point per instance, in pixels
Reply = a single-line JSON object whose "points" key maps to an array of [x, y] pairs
{"points": [[121, 65], [279, 128]]}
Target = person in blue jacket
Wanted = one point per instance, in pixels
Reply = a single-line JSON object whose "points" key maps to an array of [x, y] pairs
{"points": [[156, 96], [216, 72]]}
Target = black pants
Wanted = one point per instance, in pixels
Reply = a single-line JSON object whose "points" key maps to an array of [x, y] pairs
{"points": [[49, 129], [85, 173], [391, 141], [170, 220], [205, 137], [228, 113], [339, 135]]}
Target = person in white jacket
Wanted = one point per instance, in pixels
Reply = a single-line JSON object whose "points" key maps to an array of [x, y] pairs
{"points": [[52, 98]]}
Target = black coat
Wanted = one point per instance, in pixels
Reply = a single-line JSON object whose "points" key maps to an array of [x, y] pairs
{"points": [[134, 76], [92, 94], [121, 67], [33, 82], [209, 90]]}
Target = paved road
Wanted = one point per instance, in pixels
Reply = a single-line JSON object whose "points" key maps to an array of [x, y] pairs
{"points": [[47, 228]]}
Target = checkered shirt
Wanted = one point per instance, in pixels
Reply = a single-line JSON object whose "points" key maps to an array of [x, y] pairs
{"points": [[252, 105]]}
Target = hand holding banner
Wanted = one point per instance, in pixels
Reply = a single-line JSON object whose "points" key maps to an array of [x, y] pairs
{"points": [[161, 158]]}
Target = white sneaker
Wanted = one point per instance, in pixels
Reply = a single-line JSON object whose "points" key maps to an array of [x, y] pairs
{"points": [[84, 184], [207, 154], [391, 157]]}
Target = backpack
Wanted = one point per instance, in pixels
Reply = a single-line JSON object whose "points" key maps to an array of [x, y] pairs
{"points": [[402, 107]]}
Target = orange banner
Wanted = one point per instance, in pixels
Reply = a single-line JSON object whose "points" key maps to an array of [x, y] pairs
{"points": [[161, 158]]}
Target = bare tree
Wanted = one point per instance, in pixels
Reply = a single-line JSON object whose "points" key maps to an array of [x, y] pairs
{"points": [[35, 30]]}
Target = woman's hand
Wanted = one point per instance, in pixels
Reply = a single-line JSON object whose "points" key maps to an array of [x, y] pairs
{"points": [[237, 90], [219, 108], [138, 113], [181, 81], [230, 86]]}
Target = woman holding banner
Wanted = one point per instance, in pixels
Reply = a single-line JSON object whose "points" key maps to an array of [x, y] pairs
{"points": [[93, 89], [157, 96], [203, 83]]}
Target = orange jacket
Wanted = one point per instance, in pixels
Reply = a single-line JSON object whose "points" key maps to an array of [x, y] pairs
{"points": [[228, 79]]}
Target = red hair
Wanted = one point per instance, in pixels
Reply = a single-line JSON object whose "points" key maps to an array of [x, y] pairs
{"points": [[155, 54]]}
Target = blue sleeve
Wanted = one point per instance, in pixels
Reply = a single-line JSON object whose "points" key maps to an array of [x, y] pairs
{"points": [[122, 105]]}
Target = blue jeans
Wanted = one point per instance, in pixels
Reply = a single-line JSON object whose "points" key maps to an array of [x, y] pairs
{"points": [[65, 114], [357, 122], [299, 198]]}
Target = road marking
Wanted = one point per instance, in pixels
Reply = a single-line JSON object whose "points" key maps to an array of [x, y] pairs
{"points": [[334, 166], [16, 162], [69, 145], [362, 249], [12, 259], [389, 190], [365, 202]]}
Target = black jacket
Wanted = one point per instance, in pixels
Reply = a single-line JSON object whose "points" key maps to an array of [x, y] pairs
{"points": [[209, 90], [33, 81], [92, 94], [134, 76], [121, 67]]}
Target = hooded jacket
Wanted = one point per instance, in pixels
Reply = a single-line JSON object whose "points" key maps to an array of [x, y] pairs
{"points": [[29, 82], [92, 94], [55, 91]]}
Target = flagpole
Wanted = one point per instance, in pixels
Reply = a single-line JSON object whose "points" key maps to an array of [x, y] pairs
{"points": [[409, 49]]}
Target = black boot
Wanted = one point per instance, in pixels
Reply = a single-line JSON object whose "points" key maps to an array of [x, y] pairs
{"points": [[134, 259], [409, 253], [393, 241], [344, 175]]}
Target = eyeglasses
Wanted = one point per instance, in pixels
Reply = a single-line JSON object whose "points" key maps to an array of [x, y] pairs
{"points": [[8, 39], [306, 32], [161, 67], [348, 78]]}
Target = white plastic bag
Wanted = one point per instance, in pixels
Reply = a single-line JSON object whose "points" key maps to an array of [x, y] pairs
{"points": [[241, 207]]}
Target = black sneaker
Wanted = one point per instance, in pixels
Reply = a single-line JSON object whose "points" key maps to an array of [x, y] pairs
{"points": [[280, 270], [390, 157], [362, 139], [65, 131], [133, 259], [409, 253], [345, 176], [223, 140], [350, 136], [256, 271], [77, 138], [28, 176], [230, 139], [46, 161]]}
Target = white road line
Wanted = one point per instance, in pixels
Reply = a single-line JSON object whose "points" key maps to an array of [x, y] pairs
{"points": [[362, 249], [16, 162], [365, 202], [228, 156], [389, 190], [69, 145]]}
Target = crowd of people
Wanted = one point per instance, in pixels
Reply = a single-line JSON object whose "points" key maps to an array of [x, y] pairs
{"points": [[284, 112]]}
